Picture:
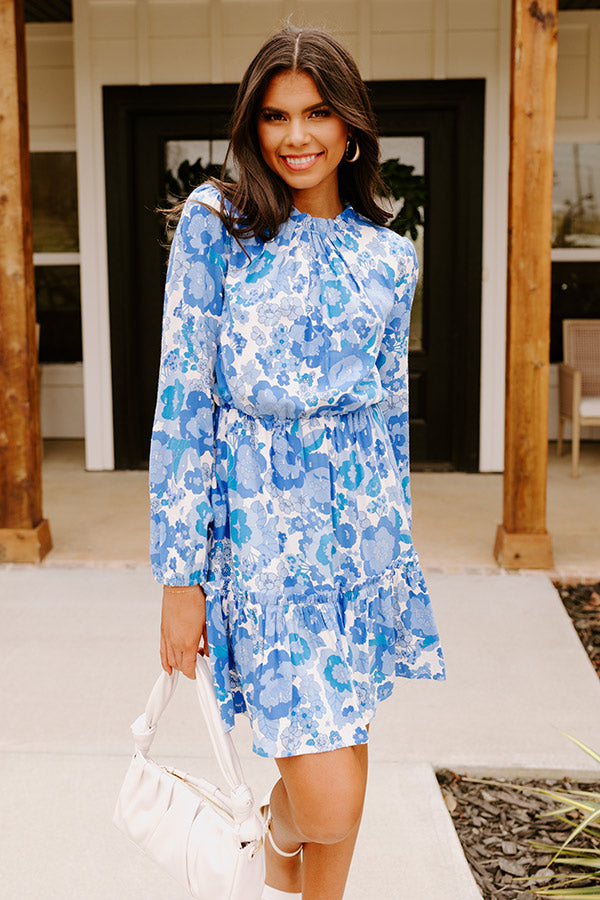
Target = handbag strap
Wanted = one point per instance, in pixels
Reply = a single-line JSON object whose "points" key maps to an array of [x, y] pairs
{"points": [[144, 729], [221, 740]]}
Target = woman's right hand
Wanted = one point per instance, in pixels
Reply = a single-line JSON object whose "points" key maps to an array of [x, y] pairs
{"points": [[183, 628]]}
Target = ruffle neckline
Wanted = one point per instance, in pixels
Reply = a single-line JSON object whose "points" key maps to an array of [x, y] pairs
{"points": [[319, 223]]}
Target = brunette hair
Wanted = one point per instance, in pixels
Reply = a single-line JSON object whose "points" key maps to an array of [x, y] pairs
{"points": [[260, 201]]}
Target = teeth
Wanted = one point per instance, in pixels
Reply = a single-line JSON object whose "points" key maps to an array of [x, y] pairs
{"points": [[300, 160]]}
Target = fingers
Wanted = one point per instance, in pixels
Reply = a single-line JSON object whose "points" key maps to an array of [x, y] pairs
{"points": [[204, 648], [182, 660], [176, 657], [188, 664], [163, 655]]}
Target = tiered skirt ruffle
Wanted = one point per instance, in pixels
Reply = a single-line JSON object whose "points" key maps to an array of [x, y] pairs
{"points": [[310, 669]]}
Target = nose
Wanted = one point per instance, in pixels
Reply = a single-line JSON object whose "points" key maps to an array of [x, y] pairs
{"points": [[298, 133]]}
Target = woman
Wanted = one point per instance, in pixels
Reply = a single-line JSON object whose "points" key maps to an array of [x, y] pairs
{"points": [[279, 463]]}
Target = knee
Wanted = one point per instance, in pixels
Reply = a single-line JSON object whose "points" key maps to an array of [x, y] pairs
{"points": [[329, 819]]}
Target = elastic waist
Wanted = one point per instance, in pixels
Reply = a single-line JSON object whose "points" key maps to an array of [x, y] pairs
{"points": [[320, 415]]}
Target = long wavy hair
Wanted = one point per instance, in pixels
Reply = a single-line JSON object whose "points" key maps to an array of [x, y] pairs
{"points": [[260, 201]]}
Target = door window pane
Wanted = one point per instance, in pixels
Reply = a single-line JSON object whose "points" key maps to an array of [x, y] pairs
{"points": [[54, 202], [189, 163], [409, 152]]}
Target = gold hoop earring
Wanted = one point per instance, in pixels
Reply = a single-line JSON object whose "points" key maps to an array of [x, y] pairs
{"points": [[347, 157]]}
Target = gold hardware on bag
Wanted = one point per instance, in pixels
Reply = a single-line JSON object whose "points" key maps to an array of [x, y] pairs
{"points": [[216, 804], [175, 773]]}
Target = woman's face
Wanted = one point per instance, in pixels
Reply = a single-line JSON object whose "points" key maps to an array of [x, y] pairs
{"points": [[302, 140]]}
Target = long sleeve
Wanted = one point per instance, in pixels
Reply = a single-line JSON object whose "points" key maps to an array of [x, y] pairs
{"points": [[392, 361], [182, 450]]}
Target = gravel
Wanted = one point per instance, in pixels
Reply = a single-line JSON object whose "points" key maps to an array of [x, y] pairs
{"points": [[582, 602], [495, 823]]}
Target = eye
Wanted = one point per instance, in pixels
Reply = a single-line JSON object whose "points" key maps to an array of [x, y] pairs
{"points": [[270, 116], [321, 113]]}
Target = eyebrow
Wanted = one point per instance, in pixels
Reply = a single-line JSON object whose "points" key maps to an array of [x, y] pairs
{"points": [[308, 108]]}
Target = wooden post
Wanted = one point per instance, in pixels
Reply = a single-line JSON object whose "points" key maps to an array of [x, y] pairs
{"points": [[24, 533], [522, 540]]}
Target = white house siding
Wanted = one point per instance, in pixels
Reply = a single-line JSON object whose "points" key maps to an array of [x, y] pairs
{"points": [[211, 41]]}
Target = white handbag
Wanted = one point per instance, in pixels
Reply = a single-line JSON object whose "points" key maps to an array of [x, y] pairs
{"points": [[211, 842]]}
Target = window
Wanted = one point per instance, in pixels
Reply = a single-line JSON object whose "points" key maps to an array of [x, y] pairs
{"points": [[575, 202], [56, 255], [575, 237]]}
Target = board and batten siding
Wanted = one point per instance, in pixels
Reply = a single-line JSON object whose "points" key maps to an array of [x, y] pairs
{"points": [[211, 41]]}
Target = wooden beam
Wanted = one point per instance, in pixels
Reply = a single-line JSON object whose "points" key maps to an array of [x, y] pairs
{"points": [[21, 521], [522, 539]]}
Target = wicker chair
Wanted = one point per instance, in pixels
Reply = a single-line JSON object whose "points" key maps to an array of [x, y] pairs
{"points": [[579, 382]]}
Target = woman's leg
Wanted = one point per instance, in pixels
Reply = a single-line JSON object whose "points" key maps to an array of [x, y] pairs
{"points": [[318, 802]]}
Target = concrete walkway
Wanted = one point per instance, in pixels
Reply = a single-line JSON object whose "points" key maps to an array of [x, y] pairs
{"points": [[80, 653]]}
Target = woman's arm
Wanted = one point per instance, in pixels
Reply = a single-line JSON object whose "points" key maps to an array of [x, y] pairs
{"points": [[182, 450], [392, 361]]}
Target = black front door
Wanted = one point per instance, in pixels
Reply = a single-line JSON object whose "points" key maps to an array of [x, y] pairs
{"points": [[435, 127]]}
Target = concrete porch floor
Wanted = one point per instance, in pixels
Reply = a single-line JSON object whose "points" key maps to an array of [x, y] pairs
{"points": [[101, 518]]}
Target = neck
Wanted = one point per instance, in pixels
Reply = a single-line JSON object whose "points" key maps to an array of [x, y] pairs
{"points": [[323, 204]]}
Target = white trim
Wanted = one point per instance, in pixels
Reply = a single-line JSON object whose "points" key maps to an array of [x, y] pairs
{"points": [[93, 252], [576, 254], [495, 224], [56, 259]]}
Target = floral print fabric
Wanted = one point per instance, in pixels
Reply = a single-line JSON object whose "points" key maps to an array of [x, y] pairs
{"points": [[279, 470]]}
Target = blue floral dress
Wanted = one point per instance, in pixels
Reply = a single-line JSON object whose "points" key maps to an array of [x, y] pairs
{"points": [[279, 470]]}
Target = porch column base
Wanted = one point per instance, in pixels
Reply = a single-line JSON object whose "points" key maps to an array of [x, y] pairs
{"points": [[523, 551], [25, 545]]}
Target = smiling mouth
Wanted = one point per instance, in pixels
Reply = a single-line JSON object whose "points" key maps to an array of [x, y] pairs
{"points": [[298, 163]]}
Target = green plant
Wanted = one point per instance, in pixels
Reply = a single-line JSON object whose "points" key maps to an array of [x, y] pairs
{"points": [[411, 189], [189, 175]]}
